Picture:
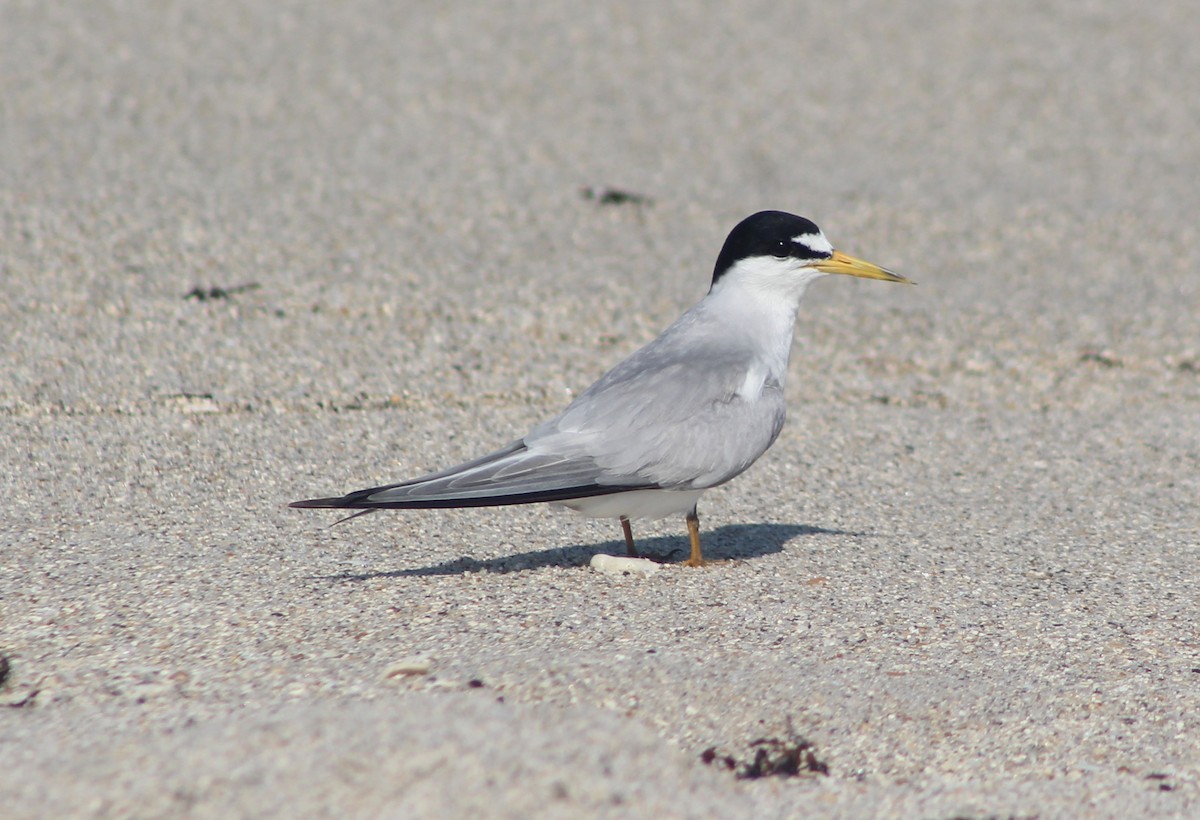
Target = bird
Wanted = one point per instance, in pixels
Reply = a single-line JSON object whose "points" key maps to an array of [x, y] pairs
{"points": [[687, 412]]}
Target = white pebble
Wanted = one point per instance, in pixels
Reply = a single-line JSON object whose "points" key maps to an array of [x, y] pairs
{"points": [[412, 665], [617, 565]]}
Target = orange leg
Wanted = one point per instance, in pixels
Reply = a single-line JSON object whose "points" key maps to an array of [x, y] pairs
{"points": [[629, 547], [693, 525]]}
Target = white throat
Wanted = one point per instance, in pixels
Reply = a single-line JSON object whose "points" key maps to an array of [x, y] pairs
{"points": [[759, 297], [774, 280]]}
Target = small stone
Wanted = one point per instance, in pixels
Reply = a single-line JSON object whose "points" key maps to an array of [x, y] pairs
{"points": [[617, 565], [412, 665]]}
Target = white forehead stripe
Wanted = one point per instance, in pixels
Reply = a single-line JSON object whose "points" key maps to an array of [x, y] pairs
{"points": [[815, 242]]}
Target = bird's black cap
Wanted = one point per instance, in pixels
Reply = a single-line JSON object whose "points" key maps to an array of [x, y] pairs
{"points": [[767, 233]]}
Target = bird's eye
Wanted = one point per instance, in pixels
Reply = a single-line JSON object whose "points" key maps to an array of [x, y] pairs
{"points": [[783, 248]]}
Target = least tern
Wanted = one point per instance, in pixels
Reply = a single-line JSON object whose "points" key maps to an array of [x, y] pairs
{"points": [[686, 413]]}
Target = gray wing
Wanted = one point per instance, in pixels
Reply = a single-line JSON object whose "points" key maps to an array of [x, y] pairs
{"points": [[671, 416], [513, 475], [675, 414]]}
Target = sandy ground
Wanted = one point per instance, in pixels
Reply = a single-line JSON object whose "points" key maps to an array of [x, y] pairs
{"points": [[965, 575]]}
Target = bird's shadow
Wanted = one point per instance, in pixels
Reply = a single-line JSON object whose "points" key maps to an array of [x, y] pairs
{"points": [[733, 541]]}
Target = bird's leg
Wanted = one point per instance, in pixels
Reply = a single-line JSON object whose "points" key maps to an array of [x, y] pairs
{"points": [[693, 525], [629, 547]]}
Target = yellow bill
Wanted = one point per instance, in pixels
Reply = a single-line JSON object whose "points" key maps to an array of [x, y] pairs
{"points": [[843, 263]]}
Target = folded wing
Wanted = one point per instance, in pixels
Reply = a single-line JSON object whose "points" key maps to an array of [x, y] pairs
{"points": [[514, 475], [686, 412]]}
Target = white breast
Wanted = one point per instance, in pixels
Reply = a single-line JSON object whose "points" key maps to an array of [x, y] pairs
{"points": [[634, 504]]}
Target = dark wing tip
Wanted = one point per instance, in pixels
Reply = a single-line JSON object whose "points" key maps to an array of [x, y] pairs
{"points": [[319, 503]]}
